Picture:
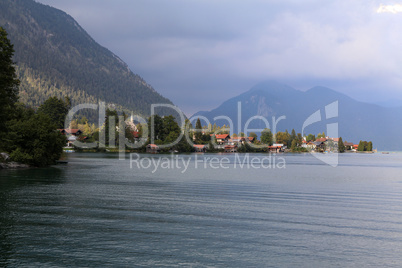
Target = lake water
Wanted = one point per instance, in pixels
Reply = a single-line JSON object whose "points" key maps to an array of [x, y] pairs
{"points": [[100, 211]]}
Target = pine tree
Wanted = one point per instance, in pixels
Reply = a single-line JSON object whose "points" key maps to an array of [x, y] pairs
{"points": [[341, 146], [8, 82], [293, 145], [198, 131], [369, 146], [360, 148]]}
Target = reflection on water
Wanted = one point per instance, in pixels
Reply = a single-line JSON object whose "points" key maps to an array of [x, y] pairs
{"points": [[13, 184], [97, 211]]}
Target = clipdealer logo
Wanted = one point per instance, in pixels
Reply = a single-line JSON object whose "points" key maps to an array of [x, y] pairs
{"points": [[331, 111]]}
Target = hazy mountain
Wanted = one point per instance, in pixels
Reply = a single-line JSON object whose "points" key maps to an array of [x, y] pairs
{"points": [[390, 103], [56, 57], [356, 120]]}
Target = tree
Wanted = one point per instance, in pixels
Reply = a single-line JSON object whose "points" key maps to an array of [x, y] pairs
{"points": [[157, 132], [183, 146], [266, 136], [198, 131], [319, 135], [253, 134], [282, 137], [33, 138], [171, 130], [299, 139], [73, 124], [293, 145], [310, 137], [293, 136], [169, 125], [56, 109], [83, 120], [360, 148], [8, 82], [369, 146], [30, 137], [341, 146], [111, 115], [365, 144]]}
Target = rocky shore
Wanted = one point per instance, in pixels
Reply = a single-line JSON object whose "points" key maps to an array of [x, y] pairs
{"points": [[6, 164]]}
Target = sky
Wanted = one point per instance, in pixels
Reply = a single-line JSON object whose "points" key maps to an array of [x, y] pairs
{"points": [[199, 53]]}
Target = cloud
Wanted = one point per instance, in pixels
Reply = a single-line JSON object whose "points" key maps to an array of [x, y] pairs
{"points": [[202, 52], [397, 8]]}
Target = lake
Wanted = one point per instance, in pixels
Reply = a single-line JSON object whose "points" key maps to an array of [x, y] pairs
{"points": [[204, 210]]}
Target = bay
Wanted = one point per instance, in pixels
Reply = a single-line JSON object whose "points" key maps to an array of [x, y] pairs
{"points": [[245, 210]]}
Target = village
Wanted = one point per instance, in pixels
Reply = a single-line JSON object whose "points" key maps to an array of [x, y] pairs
{"points": [[227, 144]]}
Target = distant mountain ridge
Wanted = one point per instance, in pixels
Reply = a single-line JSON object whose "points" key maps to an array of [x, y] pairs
{"points": [[56, 57], [390, 103], [355, 120]]}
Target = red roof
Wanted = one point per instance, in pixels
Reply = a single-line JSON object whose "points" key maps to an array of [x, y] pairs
{"points": [[251, 138], [200, 146], [335, 139], [274, 147], [222, 136], [153, 145], [70, 131], [321, 140], [136, 134]]}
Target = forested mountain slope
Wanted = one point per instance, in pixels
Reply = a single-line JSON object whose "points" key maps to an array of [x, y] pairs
{"points": [[56, 57]]}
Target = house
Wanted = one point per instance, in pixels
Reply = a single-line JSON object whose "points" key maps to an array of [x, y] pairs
{"points": [[200, 148], [71, 140], [319, 145], [152, 148], [230, 149], [67, 131], [276, 148], [310, 145], [222, 139], [304, 144], [251, 139], [72, 135], [237, 140], [348, 145]]}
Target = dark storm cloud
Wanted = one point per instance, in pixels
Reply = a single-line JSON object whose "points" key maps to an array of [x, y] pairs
{"points": [[199, 53]]}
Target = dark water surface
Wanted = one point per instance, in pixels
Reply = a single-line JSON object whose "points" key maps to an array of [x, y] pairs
{"points": [[97, 211]]}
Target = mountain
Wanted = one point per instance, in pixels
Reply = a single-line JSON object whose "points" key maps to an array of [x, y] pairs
{"points": [[390, 103], [56, 57], [355, 120]]}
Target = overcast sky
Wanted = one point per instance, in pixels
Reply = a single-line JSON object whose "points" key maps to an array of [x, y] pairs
{"points": [[198, 53]]}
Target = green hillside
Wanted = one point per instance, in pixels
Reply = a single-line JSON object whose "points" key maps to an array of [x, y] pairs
{"points": [[56, 57]]}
